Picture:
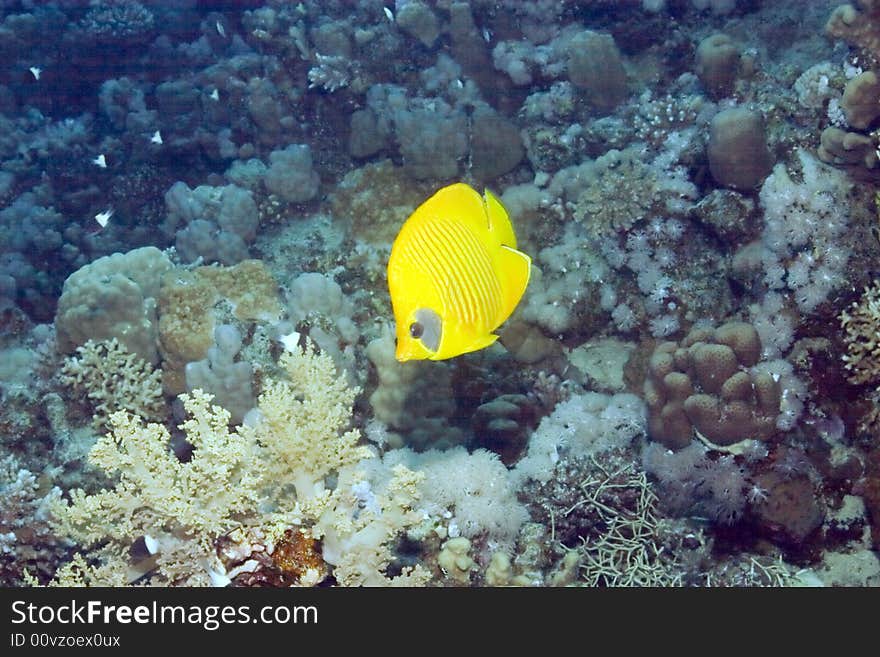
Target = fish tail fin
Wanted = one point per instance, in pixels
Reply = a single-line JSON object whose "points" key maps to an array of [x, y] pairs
{"points": [[514, 272]]}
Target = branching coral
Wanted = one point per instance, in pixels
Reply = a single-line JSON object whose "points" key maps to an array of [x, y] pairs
{"points": [[241, 492], [26, 537], [628, 551], [862, 326], [178, 508], [300, 424], [112, 379]]}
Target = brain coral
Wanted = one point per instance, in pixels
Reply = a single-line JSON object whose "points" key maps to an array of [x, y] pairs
{"points": [[113, 297]]}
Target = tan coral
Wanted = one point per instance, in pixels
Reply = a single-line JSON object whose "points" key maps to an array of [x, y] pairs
{"points": [[187, 313], [114, 379], [839, 147], [861, 100], [861, 324], [248, 286], [860, 28], [703, 386], [186, 324], [377, 198]]}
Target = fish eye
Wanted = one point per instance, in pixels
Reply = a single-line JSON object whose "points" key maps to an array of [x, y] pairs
{"points": [[416, 330]]}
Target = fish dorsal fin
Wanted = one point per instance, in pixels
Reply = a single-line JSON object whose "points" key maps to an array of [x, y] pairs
{"points": [[514, 270], [484, 214], [499, 222], [460, 201]]}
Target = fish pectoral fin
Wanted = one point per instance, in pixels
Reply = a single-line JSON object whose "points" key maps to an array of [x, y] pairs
{"points": [[515, 268]]}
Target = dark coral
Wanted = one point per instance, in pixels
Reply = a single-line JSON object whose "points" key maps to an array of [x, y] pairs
{"points": [[293, 558], [504, 424], [562, 503]]}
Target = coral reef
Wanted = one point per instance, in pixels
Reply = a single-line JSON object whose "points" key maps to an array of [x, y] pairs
{"points": [[197, 202], [181, 512]]}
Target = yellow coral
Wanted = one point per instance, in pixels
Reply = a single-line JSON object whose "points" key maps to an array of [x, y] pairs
{"points": [[179, 511], [112, 378], [303, 421], [179, 507]]}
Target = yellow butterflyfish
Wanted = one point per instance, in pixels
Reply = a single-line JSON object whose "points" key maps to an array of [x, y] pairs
{"points": [[455, 274]]}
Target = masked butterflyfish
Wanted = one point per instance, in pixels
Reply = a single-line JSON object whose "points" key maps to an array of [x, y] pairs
{"points": [[454, 274]]}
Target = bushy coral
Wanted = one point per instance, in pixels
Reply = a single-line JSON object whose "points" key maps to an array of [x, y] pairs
{"points": [[307, 132], [861, 324], [804, 224], [114, 379], [473, 492], [178, 508], [299, 425], [178, 511]]}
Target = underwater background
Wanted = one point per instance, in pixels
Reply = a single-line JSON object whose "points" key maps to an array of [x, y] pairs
{"points": [[198, 383]]}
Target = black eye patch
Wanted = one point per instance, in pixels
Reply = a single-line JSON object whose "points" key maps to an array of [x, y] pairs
{"points": [[429, 327]]}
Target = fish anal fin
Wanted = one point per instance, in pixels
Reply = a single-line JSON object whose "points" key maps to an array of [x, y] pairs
{"points": [[481, 343], [514, 270], [447, 351]]}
